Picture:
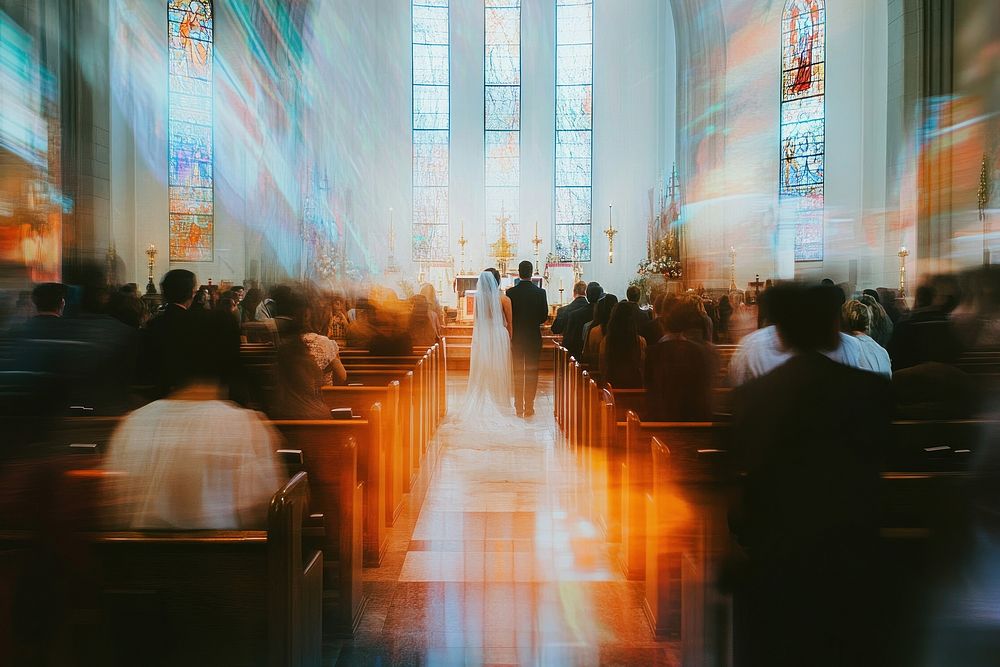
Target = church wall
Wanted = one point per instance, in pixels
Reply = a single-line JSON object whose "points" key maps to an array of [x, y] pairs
{"points": [[734, 202]]}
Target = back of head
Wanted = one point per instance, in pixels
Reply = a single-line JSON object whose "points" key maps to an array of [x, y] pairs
{"points": [[602, 310], [856, 316], [524, 270], [178, 286], [594, 292], [579, 289], [289, 304], [496, 274], [808, 318], [49, 297], [633, 293], [872, 293], [683, 315], [622, 336]]}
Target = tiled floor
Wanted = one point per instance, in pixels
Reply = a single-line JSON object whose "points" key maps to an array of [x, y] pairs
{"points": [[500, 565]]}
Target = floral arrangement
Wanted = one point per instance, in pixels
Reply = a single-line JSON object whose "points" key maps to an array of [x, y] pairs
{"points": [[666, 266]]}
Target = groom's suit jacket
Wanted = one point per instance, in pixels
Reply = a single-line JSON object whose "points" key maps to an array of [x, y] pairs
{"points": [[530, 310]]}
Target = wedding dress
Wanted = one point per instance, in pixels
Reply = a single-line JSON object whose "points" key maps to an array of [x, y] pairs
{"points": [[489, 397]]}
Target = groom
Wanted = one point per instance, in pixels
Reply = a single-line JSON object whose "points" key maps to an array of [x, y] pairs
{"points": [[530, 309]]}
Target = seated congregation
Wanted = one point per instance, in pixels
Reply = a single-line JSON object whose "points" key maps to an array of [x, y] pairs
{"points": [[174, 493], [813, 494]]}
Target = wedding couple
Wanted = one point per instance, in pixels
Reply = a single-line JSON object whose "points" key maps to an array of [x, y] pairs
{"points": [[506, 345]]}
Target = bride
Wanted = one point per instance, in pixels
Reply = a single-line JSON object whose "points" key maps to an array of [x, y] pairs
{"points": [[489, 392]]}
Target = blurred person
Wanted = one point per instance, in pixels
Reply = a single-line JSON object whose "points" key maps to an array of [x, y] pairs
{"points": [[433, 305], [764, 350], [725, 314], [390, 337], [633, 294], [361, 328], [573, 334], [529, 310], [598, 330], [894, 307], [193, 460], [810, 436], [881, 324], [679, 372], [201, 300], [298, 371], [856, 320], [977, 318], [263, 311], [926, 333], [623, 350], [338, 317], [248, 306], [227, 304], [564, 312], [700, 325], [423, 329]]}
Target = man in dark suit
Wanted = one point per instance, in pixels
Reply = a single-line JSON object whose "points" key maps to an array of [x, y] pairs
{"points": [[573, 337], [529, 309], [810, 434], [563, 314], [679, 372], [169, 336]]}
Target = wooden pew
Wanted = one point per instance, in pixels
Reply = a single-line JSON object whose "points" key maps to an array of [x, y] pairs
{"points": [[413, 410], [331, 458], [394, 423], [311, 436], [219, 597]]}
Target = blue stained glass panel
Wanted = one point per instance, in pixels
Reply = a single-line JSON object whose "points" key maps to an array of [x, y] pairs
{"points": [[431, 127], [502, 122], [190, 142], [803, 122], [574, 127]]}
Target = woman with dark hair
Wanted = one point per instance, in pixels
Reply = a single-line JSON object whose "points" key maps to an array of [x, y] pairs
{"points": [[623, 350], [298, 375], [323, 350], [725, 313], [596, 334], [506, 307]]}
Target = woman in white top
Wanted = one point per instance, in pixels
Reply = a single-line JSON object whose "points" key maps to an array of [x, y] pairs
{"points": [[856, 319]]}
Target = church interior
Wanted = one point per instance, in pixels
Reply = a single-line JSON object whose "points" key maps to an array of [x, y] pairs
{"points": [[499, 332]]}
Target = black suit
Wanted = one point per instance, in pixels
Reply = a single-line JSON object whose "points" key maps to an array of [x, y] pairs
{"points": [[573, 336], [563, 314], [811, 433], [529, 309]]}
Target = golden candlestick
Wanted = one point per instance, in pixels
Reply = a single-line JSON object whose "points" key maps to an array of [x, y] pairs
{"points": [[903, 254], [610, 233], [151, 254], [537, 241]]}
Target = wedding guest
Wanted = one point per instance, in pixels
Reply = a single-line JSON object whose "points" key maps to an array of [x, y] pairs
{"points": [[361, 329], [169, 335], [324, 351], [564, 312], [298, 373], [926, 333], [810, 436], [338, 317], [725, 313], [227, 304], [596, 333], [764, 350], [881, 324], [390, 337], [263, 310], [423, 327], [632, 295], [573, 335], [856, 321], [192, 459], [433, 305], [623, 350], [248, 307], [679, 372]]}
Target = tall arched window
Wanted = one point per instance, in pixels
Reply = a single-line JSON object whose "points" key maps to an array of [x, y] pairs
{"points": [[502, 97], [574, 126], [431, 129], [190, 179], [803, 122]]}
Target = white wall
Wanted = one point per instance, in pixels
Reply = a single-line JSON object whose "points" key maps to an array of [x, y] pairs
{"points": [[737, 203], [357, 74]]}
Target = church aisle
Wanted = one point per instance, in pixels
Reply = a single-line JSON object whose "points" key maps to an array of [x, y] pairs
{"points": [[501, 565]]}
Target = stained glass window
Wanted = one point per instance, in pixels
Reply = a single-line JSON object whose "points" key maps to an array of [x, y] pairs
{"points": [[574, 126], [803, 121], [502, 97], [431, 129], [190, 180]]}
